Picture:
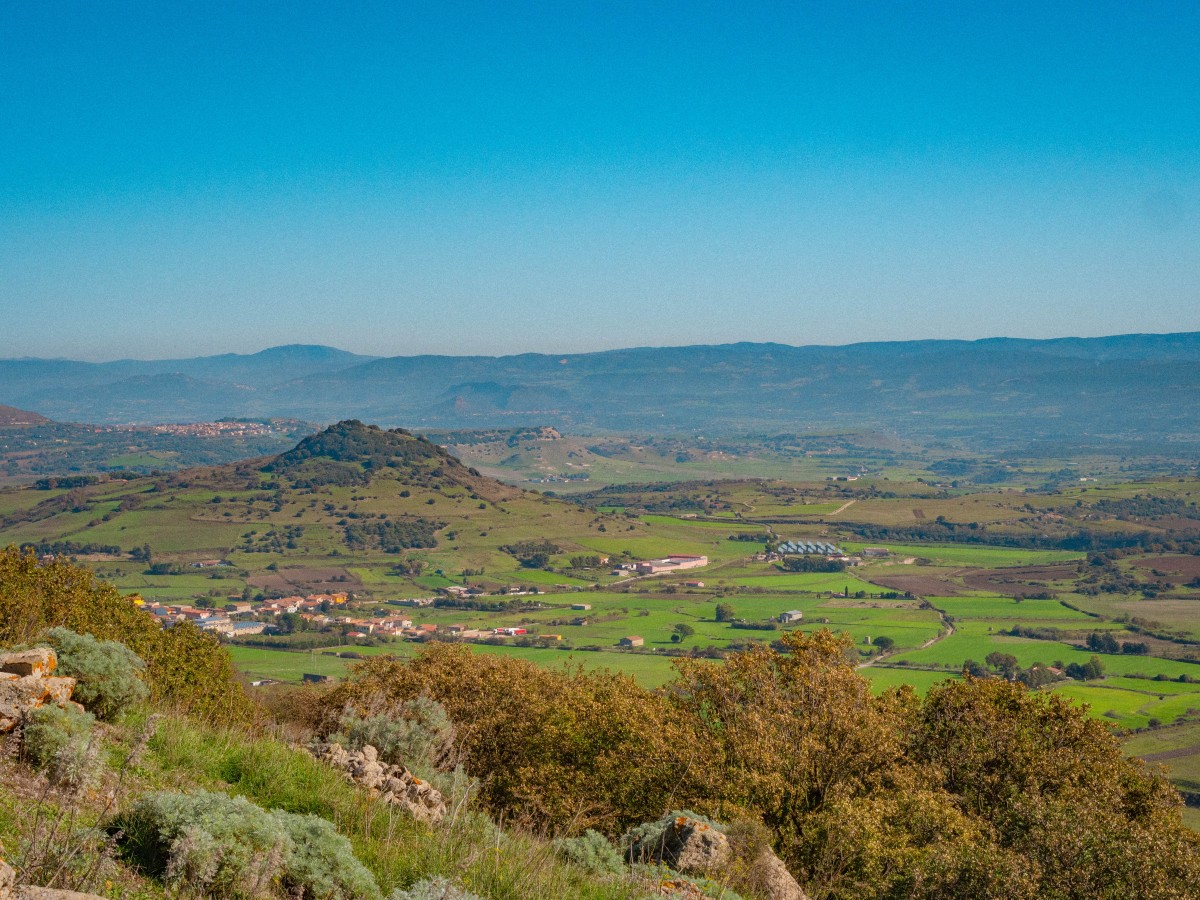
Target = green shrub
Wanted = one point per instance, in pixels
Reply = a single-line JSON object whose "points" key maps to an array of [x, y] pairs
{"points": [[417, 734], [569, 750], [434, 889], [59, 740], [108, 673], [321, 861], [592, 852], [221, 846]]}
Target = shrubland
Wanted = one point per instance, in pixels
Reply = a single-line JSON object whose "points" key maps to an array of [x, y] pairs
{"points": [[983, 789]]}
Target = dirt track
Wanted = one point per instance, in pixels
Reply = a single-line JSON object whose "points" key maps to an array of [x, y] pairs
{"points": [[1171, 754]]}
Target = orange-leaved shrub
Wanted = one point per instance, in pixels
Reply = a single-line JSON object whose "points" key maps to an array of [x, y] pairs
{"points": [[566, 748], [982, 790]]}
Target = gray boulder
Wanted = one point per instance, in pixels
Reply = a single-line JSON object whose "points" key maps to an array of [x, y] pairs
{"points": [[684, 844]]}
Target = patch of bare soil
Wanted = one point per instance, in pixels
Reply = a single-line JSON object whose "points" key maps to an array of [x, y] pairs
{"points": [[304, 581], [1184, 568], [1180, 753], [1017, 579]]}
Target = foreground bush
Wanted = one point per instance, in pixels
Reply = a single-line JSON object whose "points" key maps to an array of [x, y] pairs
{"points": [[417, 733], [984, 789], [107, 673], [215, 845], [592, 852], [561, 749], [434, 889], [185, 667], [468, 848], [58, 741]]}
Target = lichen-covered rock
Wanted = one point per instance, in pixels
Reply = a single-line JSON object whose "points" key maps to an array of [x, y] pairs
{"points": [[685, 844], [772, 879], [38, 661], [7, 878], [693, 847], [19, 695], [58, 689], [393, 784], [26, 683]]}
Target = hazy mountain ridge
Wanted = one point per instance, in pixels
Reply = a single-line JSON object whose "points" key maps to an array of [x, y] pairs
{"points": [[981, 391]]}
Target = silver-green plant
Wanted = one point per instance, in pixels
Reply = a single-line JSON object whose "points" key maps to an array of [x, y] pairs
{"points": [[107, 673], [417, 734], [215, 845], [58, 740], [592, 852], [437, 888]]}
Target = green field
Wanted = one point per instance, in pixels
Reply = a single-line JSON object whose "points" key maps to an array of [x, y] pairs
{"points": [[1180, 747], [291, 666], [882, 678], [285, 665], [1005, 609], [1131, 709]]}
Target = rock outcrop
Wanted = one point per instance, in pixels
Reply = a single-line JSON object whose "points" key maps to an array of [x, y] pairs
{"points": [[772, 879], [692, 847], [27, 682], [39, 661], [686, 845], [393, 784], [10, 890]]}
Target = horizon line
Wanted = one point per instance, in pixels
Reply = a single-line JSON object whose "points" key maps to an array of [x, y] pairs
{"points": [[646, 347]]}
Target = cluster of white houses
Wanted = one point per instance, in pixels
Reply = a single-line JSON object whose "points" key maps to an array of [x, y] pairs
{"points": [[241, 618], [676, 562]]}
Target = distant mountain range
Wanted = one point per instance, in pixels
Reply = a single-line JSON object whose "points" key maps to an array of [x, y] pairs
{"points": [[1136, 390]]}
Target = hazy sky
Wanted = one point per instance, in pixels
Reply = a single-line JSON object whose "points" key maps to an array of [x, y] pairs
{"points": [[179, 178]]}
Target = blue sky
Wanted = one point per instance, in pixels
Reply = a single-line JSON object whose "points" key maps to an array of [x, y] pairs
{"points": [[186, 178]]}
